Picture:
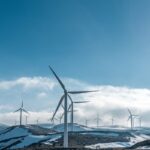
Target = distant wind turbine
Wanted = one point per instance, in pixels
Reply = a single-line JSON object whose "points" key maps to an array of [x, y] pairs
{"points": [[21, 109], [112, 121], [60, 118], [97, 120], [15, 122], [140, 121], [86, 122], [37, 121], [26, 120], [72, 109], [131, 118], [69, 111], [65, 97]]}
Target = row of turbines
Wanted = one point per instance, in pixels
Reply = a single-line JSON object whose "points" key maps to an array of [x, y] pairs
{"points": [[67, 109], [67, 103], [131, 118], [59, 118]]}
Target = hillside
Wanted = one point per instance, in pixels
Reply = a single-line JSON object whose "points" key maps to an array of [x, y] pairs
{"points": [[33, 136]]}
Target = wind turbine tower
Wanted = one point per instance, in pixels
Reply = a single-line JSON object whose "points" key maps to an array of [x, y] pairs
{"points": [[112, 121], [131, 118], [97, 120], [140, 122], [26, 120], [21, 109], [86, 122], [37, 121]]}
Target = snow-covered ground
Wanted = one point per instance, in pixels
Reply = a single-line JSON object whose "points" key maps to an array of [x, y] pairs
{"points": [[46, 125], [3, 126], [135, 138], [19, 137], [24, 136], [76, 127]]}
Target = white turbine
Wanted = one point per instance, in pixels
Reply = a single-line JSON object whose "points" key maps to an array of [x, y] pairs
{"points": [[37, 121], [21, 109], [72, 109], [131, 118], [140, 122], [112, 121], [26, 120], [60, 118], [86, 122], [65, 97], [97, 120]]}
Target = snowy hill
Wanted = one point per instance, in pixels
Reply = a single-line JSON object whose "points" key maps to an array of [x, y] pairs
{"points": [[46, 125], [124, 138], [18, 137], [3, 126], [76, 127], [32, 135]]}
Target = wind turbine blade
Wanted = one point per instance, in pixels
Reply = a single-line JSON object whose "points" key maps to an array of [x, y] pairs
{"points": [[61, 115], [129, 111], [73, 111], [60, 82], [80, 92], [81, 102], [25, 111], [22, 104], [129, 118], [58, 106], [62, 106], [69, 107], [70, 98], [17, 110]]}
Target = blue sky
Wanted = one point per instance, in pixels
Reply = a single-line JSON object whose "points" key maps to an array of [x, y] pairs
{"points": [[100, 42]]}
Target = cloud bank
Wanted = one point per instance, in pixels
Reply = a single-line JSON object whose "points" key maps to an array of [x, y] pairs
{"points": [[41, 95]]}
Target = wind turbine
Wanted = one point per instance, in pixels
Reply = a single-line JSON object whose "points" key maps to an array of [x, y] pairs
{"points": [[15, 122], [72, 109], [65, 98], [140, 121], [21, 109], [53, 121], [112, 121], [131, 117], [69, 111], [97, 120], [86, 122], [60, 118], [37, 121], [26, 120]]}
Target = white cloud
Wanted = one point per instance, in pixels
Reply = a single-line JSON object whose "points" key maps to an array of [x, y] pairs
{"points": [[41, 95], [109, 102], [12, 118], [28, 83]]}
